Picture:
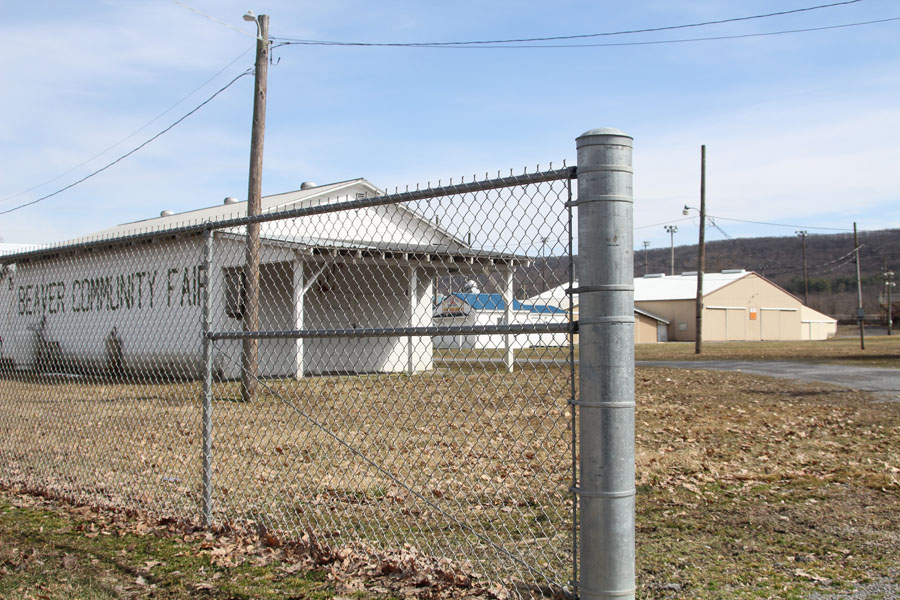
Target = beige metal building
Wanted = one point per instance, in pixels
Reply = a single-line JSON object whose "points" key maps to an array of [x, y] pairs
{"points": [[737, 305], [649, 328]]}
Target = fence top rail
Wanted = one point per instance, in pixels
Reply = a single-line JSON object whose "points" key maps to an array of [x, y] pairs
{"points": [[546, 327], [386, 199]]}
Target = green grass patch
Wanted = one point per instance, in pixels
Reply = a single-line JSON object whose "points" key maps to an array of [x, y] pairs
{"points": [[48, 552]]}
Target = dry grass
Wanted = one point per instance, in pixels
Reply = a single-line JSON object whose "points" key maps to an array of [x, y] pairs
{"points": [[473, 465], [880, 351], [751, 487], [743, 482]]}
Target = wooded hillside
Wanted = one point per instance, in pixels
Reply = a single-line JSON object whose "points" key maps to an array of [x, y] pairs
{"points": [[830, 264]]}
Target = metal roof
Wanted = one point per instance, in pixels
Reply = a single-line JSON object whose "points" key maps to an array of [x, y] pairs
{"points": [[435, 239], [485, 301], [659, 286], [555, 297], [311, 202], [647, 313], [221, 212]]}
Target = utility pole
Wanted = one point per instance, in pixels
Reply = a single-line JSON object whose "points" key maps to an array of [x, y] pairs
{"points": [[803, 235], [860, 313], [889, 284], [701, 252], [646, 261], [250, 354], [672, 229]]}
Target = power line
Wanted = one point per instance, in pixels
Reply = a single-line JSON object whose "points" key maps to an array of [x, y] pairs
{"points": [[561, 37], [663, 223], [765, 263], [744, 221], [130, 135], [822, 268], [130, 152], [213, 19], [704, 39], [606, 45], [785, 225]]}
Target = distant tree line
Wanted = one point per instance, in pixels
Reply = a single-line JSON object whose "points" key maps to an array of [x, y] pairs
{"points": [[830, 285], [830, 264]]}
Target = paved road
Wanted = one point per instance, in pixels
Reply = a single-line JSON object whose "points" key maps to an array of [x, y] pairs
{"points": [[884, 383]]}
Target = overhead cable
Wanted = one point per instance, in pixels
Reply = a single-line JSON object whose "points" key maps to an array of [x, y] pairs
{"points": [[604, 45], [213, 19], [744, 221], [784, 225], [130, 152], [130, 135], [484, 43]]}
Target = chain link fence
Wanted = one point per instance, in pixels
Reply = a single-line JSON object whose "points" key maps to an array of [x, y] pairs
{"points": [[399, 369], [374, 370]]}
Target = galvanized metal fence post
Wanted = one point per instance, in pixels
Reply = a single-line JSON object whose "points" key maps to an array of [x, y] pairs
{"points": [[206, 427], [606, 364]]}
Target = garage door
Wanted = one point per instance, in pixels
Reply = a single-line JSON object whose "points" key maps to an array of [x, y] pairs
{"points": [[716, 324], [779, 323], [736, 326]]}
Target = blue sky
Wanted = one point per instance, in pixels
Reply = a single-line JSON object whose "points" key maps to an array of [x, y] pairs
{"points": [[801, 129]]}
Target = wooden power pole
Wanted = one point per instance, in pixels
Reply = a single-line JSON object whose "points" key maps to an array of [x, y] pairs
{"points": [[860, 312], [701, 253], [250, 354]]}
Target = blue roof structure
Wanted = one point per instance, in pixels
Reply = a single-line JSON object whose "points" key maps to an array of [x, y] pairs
{"points": [[495, 302]]}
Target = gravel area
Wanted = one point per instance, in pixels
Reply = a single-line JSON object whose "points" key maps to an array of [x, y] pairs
{"points": [[885, 589], [883, 383]]}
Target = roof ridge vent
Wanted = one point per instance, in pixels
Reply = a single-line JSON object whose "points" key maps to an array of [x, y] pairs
{"points": [[654, 275], [166, 213], [733, 271], [689, 273]]}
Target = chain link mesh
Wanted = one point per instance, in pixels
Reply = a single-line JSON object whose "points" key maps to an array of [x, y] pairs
{"points": [[415, 368]]}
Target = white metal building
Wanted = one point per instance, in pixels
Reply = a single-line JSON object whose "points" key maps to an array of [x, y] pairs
{"points": [[476, 308], [133, 293]]}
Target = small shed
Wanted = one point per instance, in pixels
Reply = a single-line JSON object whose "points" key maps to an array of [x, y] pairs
{"points": [[476, 308], [738, 305], [648, 327]]}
